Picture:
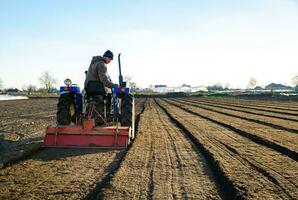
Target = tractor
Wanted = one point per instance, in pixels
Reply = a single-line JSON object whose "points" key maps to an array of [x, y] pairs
{"points": [[77, 117]]}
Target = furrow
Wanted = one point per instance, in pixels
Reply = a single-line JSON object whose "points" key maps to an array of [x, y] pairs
{"points": [[260, 164], [244, 110], [240, 116], [257, 139], [162, 164]]}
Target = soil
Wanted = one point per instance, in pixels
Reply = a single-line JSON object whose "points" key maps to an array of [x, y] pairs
{"points": [[48, 173], [257, 172], [162, 164], [252, 129], [22, 126], [185, 148], [57, 174]]}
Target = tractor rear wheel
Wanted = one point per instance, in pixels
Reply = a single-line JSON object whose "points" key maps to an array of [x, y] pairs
{"points": [[63, 113], [126, 117]]}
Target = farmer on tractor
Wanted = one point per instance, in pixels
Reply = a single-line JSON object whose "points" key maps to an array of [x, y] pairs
{"points": [[84, 119], [98, 84]]}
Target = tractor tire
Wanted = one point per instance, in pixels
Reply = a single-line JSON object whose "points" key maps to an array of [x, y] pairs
{"points": [[63, 107], [126, 117]]}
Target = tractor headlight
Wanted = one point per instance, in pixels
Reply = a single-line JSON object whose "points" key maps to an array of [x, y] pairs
{"points": [[67, 82]]}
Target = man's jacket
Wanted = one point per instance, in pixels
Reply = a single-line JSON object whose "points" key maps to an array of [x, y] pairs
{"points": [[98, 72]]}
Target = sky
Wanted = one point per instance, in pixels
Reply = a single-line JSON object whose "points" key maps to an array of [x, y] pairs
{"points": [[171, 42]]}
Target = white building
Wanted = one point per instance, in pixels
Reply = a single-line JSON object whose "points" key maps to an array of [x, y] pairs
{"points": [[185, 88]]}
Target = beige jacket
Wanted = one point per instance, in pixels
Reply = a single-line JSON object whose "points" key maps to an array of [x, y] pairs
{"points": [[98, 71]]}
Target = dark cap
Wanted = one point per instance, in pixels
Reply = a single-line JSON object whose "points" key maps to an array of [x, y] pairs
{"points": [[109, 54]]}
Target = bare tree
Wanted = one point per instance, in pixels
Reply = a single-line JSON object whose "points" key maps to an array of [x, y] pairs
{"points": [[48, 81], [252, 83], [131, 83], [1, 84], [295, 80], [30, 88]]}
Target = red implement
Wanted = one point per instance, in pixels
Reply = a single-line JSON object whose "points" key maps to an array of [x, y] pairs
{"points": [[87, 136]]}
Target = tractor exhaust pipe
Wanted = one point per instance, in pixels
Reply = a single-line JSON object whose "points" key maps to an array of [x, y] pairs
{"points": [[121, 83]]}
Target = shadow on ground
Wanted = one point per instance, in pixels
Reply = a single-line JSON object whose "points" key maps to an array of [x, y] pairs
{"points": [[47, 154]]}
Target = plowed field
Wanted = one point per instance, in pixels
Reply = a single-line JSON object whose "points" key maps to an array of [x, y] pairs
{"points": [[185, 148]]}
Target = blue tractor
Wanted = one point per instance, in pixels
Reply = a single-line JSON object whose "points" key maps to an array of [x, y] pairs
{"points": [[76, 116]]}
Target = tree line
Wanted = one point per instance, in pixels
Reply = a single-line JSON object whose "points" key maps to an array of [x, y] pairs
{"points": [[48, 82]]}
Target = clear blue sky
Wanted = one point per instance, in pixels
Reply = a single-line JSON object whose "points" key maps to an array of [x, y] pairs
{"points": [[162, 42]]}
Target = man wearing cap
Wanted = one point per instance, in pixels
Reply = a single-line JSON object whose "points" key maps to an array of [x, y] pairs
{"points": [[97, 83]]}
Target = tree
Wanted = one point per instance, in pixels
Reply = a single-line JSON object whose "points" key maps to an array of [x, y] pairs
{"points": [[30, 88], [48, 81], [215, 87], [252, 83], [295, 80], [131, 83], [1, 84]]}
